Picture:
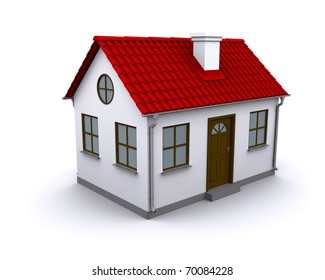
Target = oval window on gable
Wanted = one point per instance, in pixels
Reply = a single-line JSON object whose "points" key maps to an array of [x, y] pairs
{"points": [[105, 89]]}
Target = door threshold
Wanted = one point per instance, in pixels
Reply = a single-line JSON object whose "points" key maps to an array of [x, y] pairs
{"points": [[222, 191]]}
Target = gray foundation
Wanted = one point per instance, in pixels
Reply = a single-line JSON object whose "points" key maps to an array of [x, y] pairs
{"points": [[113, 197], [211, 195]]}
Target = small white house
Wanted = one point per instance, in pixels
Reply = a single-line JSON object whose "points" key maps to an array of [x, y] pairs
{"points": [[165, 122]]}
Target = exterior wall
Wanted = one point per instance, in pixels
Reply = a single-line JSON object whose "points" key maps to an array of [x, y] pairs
{"points": [[168, 187], [102, 172], [191, 181]]}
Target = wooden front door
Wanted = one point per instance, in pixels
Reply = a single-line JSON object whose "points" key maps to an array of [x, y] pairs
{"points": [[220, 151]]}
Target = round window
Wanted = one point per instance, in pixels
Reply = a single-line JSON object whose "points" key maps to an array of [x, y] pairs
{"points": [[105, 89]]}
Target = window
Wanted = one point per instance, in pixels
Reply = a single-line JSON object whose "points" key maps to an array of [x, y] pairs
{"points": [[90, 134], [219, 128], [257, 128], [175, 146], [126, 145], [105, 89]]}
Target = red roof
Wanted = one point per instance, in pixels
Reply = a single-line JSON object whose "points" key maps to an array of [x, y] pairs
{"points": [[161, 74]]}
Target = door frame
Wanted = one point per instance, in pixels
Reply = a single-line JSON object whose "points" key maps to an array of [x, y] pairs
{"points": [[232, 118]]}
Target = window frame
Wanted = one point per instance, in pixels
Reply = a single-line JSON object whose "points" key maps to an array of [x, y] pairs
{"points": [[257, 128], [126, 145], [106, 88], [175, 146], [91, 134]]}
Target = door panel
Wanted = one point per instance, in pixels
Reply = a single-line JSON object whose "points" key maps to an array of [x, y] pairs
{"points": [[219, 151]]}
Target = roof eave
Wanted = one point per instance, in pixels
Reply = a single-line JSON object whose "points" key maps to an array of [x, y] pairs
{"points": [[212, 106]]}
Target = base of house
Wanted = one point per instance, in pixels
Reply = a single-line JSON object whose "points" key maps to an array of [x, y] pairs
{"points": [[113, 197], [211, 195]]}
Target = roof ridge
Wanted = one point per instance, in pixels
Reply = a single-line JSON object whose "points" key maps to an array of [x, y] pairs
{"points": [[232, 40], [135, 38], [139, 38]]}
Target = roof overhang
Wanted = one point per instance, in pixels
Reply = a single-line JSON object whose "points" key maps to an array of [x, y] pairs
{"points": [[216, 105]]}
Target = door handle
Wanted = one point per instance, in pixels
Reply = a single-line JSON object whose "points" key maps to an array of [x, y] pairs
{"points": [[228, 149]]}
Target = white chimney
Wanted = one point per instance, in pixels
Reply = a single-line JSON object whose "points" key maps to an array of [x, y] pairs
{"points": [[206, 50]]}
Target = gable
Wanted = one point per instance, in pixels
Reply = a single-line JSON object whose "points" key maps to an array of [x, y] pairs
{"points": [[162, 75], [87, 98]]}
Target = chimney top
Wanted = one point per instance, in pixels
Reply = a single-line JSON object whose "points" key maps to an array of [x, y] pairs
{"points": [[206, 49], [205, 37]]}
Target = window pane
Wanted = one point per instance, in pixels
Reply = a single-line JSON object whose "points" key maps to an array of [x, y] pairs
{"points": [[132, 158], [132, 137], [260, 136], [102, 94], [181, 134], [95, 145], [109, 96], [223, 127], [87, 142], [102, 81], [252, 138], [122, 154], [180, 155], [252, 120], [261, 119], [95, 126], [168, 137], [168, 158], [122, 133], [109, 84], [87, 127]]}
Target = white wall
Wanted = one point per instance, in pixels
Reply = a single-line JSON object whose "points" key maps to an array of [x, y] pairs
{"points": [[101, 172], [172, 187]]}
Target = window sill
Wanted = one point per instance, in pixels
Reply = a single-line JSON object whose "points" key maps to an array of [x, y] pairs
{"points": [[257, 147], [90, 154], [129, 170], [170, 171]]}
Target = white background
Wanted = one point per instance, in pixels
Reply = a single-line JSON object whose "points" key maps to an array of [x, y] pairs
{"points": [[52, 228]]}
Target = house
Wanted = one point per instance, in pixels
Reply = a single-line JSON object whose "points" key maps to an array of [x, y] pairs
{"points": [[165, 122]]}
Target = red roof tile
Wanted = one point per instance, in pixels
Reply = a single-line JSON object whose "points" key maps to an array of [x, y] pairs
{"points": [[162, 75]]}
